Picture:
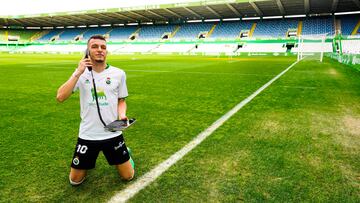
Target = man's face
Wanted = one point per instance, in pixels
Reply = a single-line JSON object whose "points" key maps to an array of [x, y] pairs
{"points": [[97, 49]]}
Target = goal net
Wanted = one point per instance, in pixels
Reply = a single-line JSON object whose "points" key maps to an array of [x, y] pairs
{"points": [[312, 47]]}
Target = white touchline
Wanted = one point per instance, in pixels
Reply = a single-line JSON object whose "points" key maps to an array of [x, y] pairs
{"points": [[150, 176]]}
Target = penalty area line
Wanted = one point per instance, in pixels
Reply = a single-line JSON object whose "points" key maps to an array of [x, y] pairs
{"points": [[143, 181]]}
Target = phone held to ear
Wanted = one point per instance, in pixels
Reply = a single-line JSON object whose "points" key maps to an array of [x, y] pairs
{"points": [[87, 53]]}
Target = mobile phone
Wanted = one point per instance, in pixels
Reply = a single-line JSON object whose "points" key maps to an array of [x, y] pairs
{"points": [[87, 53]]}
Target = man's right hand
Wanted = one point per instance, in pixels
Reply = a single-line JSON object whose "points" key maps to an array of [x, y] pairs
{"points": [[83, 64]]}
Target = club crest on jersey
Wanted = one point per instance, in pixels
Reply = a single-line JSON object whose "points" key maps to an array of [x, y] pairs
{"points": [[87, 81], [108, 81]]}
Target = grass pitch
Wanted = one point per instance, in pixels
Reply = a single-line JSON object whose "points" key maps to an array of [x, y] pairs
{"points": [[299, 140]]}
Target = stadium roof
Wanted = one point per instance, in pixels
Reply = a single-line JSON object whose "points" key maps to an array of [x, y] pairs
{"points": [[179, 12]]}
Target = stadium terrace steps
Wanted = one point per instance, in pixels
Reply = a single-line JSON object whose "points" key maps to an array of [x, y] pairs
{"points": [[275, 28], [151, 32], [300, 28], [95, 31], [49, 35], [268, 28], [20, 35], [348, 24], [211, 30], [231, 30], [38, 35], [192, 30], [175, 31], [320, 25], [71, 34], [122, 33], [356, 29], [251, 33]]}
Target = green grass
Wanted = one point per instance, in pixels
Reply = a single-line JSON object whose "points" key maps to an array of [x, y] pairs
{"points": [[299, 140]]}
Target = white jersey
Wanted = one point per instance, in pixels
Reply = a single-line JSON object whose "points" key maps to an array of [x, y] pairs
{"points": [[110, 86]]}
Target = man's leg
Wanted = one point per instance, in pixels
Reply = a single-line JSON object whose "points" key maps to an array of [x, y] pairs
{"points": [[126, 170], [118, 154], [84, 158], [77, 176]]}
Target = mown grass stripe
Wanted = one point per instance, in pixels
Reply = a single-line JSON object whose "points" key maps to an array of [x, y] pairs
{"points": [[152, 175]]}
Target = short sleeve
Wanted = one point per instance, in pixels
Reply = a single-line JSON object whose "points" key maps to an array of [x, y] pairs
{"points": [[76, 87], [123, 92]]}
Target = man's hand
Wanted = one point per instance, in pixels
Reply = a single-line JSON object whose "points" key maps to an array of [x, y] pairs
{"points": [[83, 64], [124, 118]]}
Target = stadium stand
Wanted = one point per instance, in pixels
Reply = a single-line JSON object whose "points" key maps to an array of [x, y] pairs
{"points": [[71, 34], [348, 24], [50, 35], [231, 30], [122, 33], [319, 25], [275, 28], [17, 35], [155, 32], [219, 37], [96, 31], [193, 30]]}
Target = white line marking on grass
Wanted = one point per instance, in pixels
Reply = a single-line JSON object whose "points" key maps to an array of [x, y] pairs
{"points": [[200, 73], [297, 87], [150, 176]]}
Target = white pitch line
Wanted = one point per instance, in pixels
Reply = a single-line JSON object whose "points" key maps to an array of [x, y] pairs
{"points": [[199, 73], [139, 184]]}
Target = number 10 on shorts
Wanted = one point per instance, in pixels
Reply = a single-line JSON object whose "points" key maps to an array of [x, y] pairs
{"points": [[82, 149]]}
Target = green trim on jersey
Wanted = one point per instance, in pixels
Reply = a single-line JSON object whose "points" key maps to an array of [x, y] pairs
{"points": [[107, 66]]}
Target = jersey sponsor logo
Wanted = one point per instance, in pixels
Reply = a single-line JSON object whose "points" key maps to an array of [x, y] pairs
{"points": [[100, 94], [119, 146], [87, 81]]}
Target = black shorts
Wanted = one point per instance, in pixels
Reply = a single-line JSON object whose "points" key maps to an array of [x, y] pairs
{"points": [[87, 151]]}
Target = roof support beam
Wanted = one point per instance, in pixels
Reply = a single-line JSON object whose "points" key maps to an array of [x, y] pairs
{"points": [[107, 18], [78, 19], [256, 8], [173, 13], [234, 10], [54, 21], [281, 7], [142, 16], [124, 16], [357, 2], [20, 22], [213, 11], [96, 20], [43, 22], [66, 21], [192, 12], [334, 5], [155, 14], [307, 6]]}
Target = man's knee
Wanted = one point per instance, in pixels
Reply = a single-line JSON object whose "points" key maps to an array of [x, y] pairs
{"points": [[128, 175], [76, 177]]}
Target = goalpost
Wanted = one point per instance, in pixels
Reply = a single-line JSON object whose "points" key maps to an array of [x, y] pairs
{"points": [[311, 47]]}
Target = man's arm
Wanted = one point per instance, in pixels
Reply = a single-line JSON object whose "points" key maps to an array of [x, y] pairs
{"points": [[122, 109], [66, 89]]}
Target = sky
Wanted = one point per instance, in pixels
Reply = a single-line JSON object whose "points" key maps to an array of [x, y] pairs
{"points": [[24, 7]]}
